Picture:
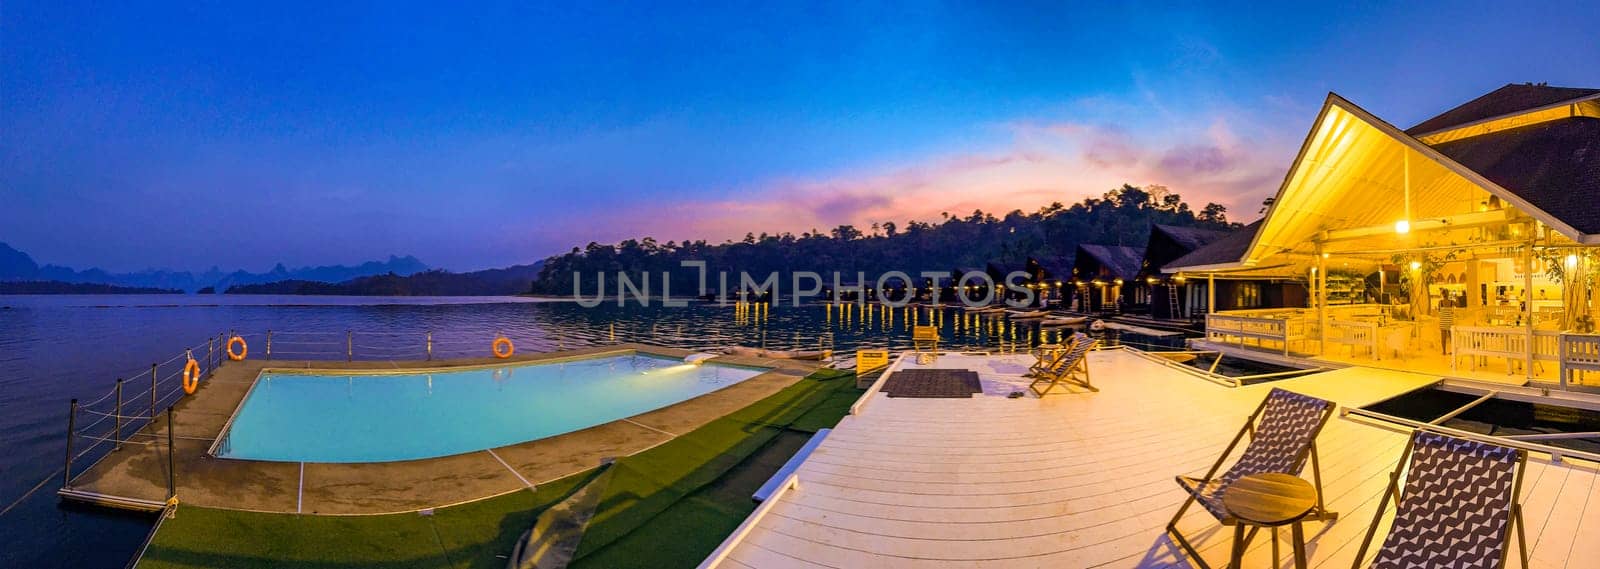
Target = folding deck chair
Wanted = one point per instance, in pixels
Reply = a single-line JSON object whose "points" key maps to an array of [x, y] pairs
{"points": [[1071, 367], [1283, 435], [1460, 505], [1049, 359]]}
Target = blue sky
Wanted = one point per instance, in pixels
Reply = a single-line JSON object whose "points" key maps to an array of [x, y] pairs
{"points": [[236, 135]]}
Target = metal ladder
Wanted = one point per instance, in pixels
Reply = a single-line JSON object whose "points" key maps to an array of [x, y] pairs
{"points": [[1172, 301]]}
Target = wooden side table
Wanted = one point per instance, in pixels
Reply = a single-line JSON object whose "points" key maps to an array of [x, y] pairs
{"points": [[1270, 501]]}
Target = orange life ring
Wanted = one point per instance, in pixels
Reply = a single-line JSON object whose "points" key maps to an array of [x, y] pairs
{"points": [[244, 349], [191, 376], [505, 353]]}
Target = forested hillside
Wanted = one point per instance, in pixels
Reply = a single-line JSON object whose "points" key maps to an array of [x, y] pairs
{"points": [[1119, 217]]}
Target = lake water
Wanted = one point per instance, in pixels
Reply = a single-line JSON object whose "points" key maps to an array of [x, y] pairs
{"points": [[55, 348]]}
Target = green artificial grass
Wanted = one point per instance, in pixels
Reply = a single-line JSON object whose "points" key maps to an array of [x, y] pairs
{"points": [[668, 506]]}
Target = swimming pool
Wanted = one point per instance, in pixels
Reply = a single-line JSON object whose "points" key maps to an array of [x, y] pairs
{"points": [[405, 416]]}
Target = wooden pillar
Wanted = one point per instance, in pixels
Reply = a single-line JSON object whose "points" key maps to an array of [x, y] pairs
{"points": [[1527, 303], [1211, 293], [1322, 301], [1474, 283]]}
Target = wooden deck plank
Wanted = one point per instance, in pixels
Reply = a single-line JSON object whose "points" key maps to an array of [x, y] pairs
{"points": [[1085, 480]]}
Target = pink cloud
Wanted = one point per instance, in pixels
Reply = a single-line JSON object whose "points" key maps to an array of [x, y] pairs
{"points": [[1042, 163]]}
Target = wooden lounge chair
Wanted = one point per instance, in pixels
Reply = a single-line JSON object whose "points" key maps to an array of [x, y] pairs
{"points": [[1459, 508], [1071, 367], [925, 339], [1283, 435], [1047, 358]]}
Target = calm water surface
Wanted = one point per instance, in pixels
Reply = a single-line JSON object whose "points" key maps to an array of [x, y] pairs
{"points": [[356, 418], [55, 348]]}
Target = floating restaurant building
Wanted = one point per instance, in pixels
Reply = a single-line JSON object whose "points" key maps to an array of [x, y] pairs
{"points": [[1490, 212]]}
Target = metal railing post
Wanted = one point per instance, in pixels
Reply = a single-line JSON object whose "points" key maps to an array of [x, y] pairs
{"points": [[430, 345], [211, 351], [172, 479], [269, 344], [118, 417], [153, 393], [349, 346], [72, 426]]}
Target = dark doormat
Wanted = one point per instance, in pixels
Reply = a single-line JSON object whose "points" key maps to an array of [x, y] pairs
{"points": [[933, 383]]}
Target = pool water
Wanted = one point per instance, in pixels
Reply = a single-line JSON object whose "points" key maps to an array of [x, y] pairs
{"points": [[1497, 416], [406, 416], [1238, 367]]}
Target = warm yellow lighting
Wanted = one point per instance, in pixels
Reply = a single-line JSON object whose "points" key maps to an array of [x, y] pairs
{"points": [[1119, 282], [1416, 265], [1152, 280], [1324, 255], [1402, 227], [1572, 262]]}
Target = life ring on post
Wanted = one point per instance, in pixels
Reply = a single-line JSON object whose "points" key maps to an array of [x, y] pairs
{"points": [[244, 349], [191, 376], [502, 347]]}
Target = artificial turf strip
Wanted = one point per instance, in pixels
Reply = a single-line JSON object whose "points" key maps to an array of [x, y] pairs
{"points": [[667, 506], [688, 530], [469, 535], [647, 483]]}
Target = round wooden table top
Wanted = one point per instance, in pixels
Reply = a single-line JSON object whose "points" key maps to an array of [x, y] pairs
{"points": [[1270, 499]]}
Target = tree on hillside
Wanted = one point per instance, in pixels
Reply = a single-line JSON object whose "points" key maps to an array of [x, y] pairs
{"points": [[1121, 216]]}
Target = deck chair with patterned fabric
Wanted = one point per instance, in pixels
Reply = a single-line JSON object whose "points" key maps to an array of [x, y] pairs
{"points": [[1071, 367], [1283, 437], [1459, 506]]}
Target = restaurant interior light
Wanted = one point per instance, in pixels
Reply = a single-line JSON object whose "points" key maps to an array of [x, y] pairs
{"points": [[1572, 261], [1415, 265], [1402, 227]]}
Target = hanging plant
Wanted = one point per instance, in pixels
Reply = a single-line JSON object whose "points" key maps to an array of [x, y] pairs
{"points": [[1554, 261]]}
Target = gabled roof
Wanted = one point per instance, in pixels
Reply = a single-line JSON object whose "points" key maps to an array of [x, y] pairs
{"points": [[1190, 238], [1002, 269], [1228, 250], [1121, 262], [1503, 101], [1352, 164], [1553, 165], [1058, 267]]}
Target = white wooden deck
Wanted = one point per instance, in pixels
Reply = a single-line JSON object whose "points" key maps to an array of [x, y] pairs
{"points": [[1086, 479]]}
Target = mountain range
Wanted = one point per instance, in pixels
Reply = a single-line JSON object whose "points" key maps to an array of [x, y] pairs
{"points": [[19, 266], [516, 279]]}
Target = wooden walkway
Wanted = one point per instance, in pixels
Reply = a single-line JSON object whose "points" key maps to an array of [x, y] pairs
{"points": [[1086, 479]]}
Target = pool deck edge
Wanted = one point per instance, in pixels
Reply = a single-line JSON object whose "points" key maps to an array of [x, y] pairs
{"points": [[136, 473]]}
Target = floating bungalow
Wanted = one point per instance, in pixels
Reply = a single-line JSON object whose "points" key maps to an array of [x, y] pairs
{"points": [[970, 282], [1491, 209], [1102, 275], [1053, 275], [999, 270], [1168, 296]]}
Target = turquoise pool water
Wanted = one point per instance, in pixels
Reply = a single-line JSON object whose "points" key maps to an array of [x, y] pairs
{"points": [[388, 417]]}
